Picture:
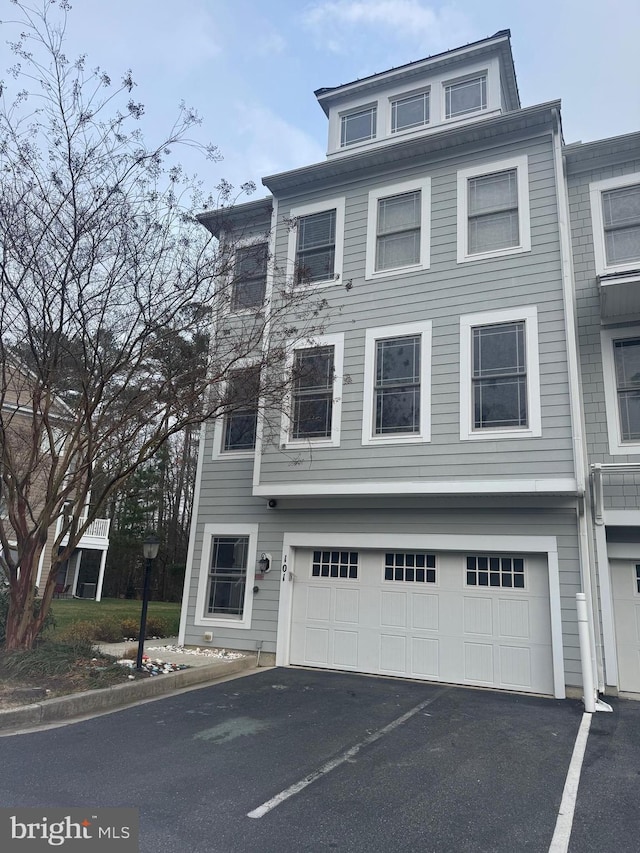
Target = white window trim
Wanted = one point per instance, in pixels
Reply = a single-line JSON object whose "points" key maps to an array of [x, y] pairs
{"points": [[521, 165], [473, 75], [424, 185], [595, 196], [529, 314], [337, 342], [243, 244], [307, 210], [211, 530], [218, 425], [368, 421], [607, 337]]}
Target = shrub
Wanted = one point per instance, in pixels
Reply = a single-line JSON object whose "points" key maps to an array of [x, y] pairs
{"points": [[78, 633], [109, 631]]}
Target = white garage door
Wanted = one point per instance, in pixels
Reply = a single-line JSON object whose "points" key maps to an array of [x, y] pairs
{"points": [[625, 581], [471, 618]]}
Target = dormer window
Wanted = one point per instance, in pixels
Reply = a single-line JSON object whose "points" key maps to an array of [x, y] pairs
{"points": [[410, 111], [464, 97], [358, 126]]}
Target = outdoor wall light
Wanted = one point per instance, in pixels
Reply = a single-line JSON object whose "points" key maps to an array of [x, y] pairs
{"points": [[264, 563]]}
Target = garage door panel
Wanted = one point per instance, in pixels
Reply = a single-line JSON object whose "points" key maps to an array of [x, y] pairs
{"points": [[440, 630], [513, 618], [625, 578], [478, 615], [393, 654], [347, 605], [345, 651], [393, 609], [425, 612], [425, 657]]}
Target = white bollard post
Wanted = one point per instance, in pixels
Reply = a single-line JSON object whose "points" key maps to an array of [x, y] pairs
{"points": [[585, 654]]}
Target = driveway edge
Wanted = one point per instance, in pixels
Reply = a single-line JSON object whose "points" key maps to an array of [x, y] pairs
{"points": [[96, 701]]}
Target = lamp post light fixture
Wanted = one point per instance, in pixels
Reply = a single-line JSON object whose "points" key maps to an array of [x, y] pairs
{"points": [[150, 550]]}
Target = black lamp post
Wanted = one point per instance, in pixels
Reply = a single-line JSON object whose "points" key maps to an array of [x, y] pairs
{"points": [[150, 550]]}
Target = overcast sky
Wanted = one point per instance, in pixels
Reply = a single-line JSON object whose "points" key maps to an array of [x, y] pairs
{"points": [[250, 67]]}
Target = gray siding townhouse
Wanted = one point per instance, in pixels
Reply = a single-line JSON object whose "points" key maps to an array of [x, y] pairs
{"points": [[421, 505], [603, 181]]}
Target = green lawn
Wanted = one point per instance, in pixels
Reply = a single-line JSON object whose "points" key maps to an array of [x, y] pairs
{"points": [[68, 611]]}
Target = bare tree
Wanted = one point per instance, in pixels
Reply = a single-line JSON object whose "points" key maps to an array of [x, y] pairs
{"points": [[103, 267]]}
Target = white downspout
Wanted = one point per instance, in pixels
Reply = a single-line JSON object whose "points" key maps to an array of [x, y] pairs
{"points": [[596, 674]]}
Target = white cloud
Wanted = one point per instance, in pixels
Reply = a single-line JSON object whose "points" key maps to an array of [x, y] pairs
{"points": [[265, 145], [335, 23]]}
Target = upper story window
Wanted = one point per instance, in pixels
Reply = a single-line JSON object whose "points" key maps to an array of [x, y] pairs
{"points": [[463, 97], [315, 242], [621, 367], [615, 209], [398, 228], [493, 210], [242, 398], [499, 374], [249, 277], [409, 112], [313, 411], [397, 384], [358, 126]]}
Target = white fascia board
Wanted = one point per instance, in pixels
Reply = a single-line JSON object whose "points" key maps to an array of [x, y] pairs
{"points": [[541, 486]]}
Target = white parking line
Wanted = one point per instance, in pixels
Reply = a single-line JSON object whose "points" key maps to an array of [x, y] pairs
{"points": [[564, 823], [336, 762]]}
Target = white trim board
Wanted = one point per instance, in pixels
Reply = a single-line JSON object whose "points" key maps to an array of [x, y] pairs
{"points": [[546, 545], [540, 486]]}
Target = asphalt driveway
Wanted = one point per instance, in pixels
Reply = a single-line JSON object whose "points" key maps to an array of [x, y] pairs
{"points": [[331, 761]]}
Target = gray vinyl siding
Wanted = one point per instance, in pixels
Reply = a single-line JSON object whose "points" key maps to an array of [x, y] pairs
{"points": [[225, 498], [442, 294], [621, 491]]}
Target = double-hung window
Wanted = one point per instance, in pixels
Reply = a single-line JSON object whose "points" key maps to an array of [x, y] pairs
{"points": [[241, 402], [499, 382], [398, 228], [358, 126], [314, 408], [315, 242], [249, 277], [397, 384], [621, 366], [493, 210], [226, 575], [615, 209], [464, 97], [410, 112]]}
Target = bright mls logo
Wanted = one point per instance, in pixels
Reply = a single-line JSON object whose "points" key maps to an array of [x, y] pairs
{"points": [[86, 830]]}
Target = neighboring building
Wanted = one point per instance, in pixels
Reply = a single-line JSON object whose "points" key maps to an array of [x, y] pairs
{"points": [[17, 419], [604, 194], [424, 507]]}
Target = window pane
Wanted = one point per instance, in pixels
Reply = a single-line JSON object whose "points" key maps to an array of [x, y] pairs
{"points": [[627, 361], [489, 193], [496, 231], [410, 112], [466, 97], [499, 376], [621, 207], [313, 393], [357, 127], [622, 245], [316, 241], [397, 385], [250, 277], [398, 242], [399, 212], [242, 399], [227, 575]]}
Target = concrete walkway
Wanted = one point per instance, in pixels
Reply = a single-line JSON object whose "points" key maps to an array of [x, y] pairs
{"points": [[204, 666]]}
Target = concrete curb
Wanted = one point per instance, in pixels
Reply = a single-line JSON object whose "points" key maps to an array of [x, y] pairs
{"points": [[97, 701]]}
